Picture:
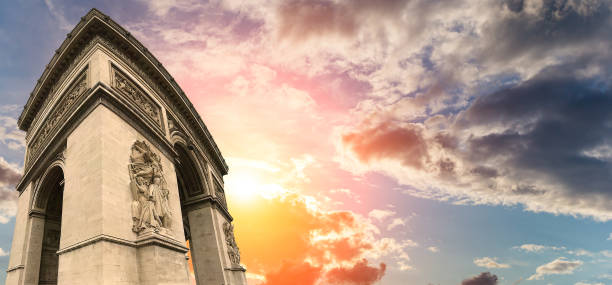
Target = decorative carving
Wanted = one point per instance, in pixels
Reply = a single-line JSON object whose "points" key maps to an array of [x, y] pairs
{"points": [[61, 155], [57, 115], [137, 96], [150, 208], [220, 195], [232, 248], [172, 125]]}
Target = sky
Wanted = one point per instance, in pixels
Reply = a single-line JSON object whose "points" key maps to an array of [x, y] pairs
{"points": [[376, 142]]}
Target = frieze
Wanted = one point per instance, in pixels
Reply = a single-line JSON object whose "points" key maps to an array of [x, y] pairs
{"points": [[59, 113], [137, 96]]}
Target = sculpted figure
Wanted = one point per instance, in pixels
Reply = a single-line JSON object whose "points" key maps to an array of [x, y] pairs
{"points": [[232, 248], [150, 208]]}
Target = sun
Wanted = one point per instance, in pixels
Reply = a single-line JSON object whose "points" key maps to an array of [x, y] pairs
{"points": [[241, 186]]}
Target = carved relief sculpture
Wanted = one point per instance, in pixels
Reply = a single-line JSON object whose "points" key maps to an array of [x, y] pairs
{"points": [[137, 96], [59, 114], [232, 247], [150, 208]]}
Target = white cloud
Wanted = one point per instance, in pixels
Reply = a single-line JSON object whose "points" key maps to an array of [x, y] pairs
{"points": [[380, 215], [433, 249], [537, 247], [560, 265], [396, 223], [3, 253], [489, 262], [58, 15], [610, 237], [584, 283]]}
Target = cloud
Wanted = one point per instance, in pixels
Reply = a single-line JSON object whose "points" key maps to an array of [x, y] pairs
{"points": [[359, 274], [584, 283], [299, 19], [10, 135], [609, 237], [58, 15], [433, 249], [537, 143], [489, 262], [396, 223], [3, 253], [537, 247], [485, 278], [334, 247], [560, 265], [10, 175], [380, 214]]}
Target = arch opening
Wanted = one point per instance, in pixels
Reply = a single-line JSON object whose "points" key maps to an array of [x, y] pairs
{"points": [[189, 185], [50, 201]]}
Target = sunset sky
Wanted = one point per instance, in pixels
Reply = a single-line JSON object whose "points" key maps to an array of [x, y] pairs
{"points": [[376, 141]]}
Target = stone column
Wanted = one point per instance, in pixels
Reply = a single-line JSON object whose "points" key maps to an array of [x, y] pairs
{"points": [[14, 275], [206, 250], [33, 250]]}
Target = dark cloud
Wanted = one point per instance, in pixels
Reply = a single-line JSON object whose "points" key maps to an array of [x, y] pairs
{"points": [[549, 136], [301, 19], [485, 171], [555, 26], [515, 5], [551, 124], [485, 278]]}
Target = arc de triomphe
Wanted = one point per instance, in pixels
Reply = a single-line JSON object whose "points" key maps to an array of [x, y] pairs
{"points": [[120, 173]]}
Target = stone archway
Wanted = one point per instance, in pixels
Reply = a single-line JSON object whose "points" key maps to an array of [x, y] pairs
{"points": [[46, 221], [189, 185]]}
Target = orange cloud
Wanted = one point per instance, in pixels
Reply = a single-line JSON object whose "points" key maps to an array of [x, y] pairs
{"points": [[286, 239], [360, 274], [386, 140], [299, 274]]}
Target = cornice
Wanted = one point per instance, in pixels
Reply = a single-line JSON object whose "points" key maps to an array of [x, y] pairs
{"points": [[95, 23]]}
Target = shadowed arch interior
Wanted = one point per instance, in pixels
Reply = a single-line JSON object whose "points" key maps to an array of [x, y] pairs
{"points": [[190, 185], [50, 199]]}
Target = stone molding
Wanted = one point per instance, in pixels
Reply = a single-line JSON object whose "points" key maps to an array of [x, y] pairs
{"points": [[199, 202], [36, 213], [237, 268], [153, 239], [20, 266]]}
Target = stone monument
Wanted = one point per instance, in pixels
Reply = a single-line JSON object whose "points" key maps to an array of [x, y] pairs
{"points": [[120, 173]]}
